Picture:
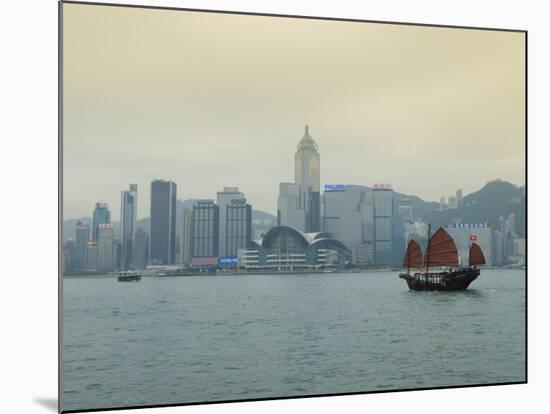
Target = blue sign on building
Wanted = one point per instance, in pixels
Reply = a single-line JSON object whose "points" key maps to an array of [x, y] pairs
{"points": [[334, 187], [468, 225], [227, 260]]}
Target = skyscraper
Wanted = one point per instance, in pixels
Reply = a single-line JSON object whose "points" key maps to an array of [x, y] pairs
{"points": [[105, 247], [498, 248], [452, 202], [141, 249], [128, 216], [163, 222], [459, 197], [383, 223], [405, 209], [117, 253], [69, 256], [102, 215], [348, 216], [224, 199], [91, 256], [82, 235], [185, 237], [398, 241], [238, 232], [289, 211], [205, 233], [307, 176]]}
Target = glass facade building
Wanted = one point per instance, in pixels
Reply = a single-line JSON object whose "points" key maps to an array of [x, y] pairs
{"points": [[105, 247], [141, 249], [101, 215], [348, 215], [238, 227], [163, 222], [383, 213], [82, 235], [365, 219], [128, 217], [289, 211], [69, 256], [223, 200], [91, 256], [185, 237], [205, 231]]}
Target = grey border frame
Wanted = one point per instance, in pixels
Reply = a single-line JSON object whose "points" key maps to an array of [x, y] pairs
{"points": [[60, 207], [60, 202]]}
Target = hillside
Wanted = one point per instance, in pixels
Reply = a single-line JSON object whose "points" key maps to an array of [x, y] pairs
{"points": [[497, 198], [420, 207]]}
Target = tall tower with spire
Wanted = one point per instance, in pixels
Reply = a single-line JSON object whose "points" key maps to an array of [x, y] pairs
{"points": [[307, 177]]}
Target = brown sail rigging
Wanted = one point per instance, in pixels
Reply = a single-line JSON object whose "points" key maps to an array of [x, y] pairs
{"points": [[476, 255], [441, 250], [413, 255]]}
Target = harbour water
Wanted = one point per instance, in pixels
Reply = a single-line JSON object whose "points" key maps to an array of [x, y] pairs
{"points": [[169, 340]]}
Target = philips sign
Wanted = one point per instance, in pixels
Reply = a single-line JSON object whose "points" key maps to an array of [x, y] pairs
{"points": [[226, 260], [335, 187]]}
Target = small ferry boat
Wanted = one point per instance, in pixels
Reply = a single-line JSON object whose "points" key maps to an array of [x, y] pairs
{"points": [[129, 276], [441, 253]]}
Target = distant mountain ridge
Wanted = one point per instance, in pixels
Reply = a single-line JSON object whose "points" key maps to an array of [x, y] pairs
{"points": [[496, 199]]}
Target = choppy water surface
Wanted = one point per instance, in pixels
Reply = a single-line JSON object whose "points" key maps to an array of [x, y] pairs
{"points": [[191, 339]]}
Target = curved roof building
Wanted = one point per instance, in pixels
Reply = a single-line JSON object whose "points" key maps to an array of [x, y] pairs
{"points": [[287, 248]]}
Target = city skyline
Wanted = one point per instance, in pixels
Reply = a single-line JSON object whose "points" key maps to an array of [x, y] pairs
{"points": [[144, 191], [368, 226], [399, 112]]}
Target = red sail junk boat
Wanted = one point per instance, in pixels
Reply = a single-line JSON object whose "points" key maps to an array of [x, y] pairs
{"points": [[441, 254]]}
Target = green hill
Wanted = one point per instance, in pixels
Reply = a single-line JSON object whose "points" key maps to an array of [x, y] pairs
{"points": [[497, 198]]}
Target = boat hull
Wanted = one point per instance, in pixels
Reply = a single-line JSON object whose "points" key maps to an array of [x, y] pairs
{"points": [[447, 281], [129, 278]]}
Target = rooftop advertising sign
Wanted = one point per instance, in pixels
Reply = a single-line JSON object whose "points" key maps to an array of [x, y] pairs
{"points": [[335, 187]]}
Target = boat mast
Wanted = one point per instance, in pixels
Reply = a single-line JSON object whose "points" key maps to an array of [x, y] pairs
{"points": [[408, 258], [428, 250]]}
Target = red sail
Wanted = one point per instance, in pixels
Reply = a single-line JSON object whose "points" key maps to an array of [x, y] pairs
{"points": [[413, 255], [441, 250], [476, 255]]}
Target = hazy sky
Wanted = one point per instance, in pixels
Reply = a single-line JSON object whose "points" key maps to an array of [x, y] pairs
{"points": [[214, 100]]}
